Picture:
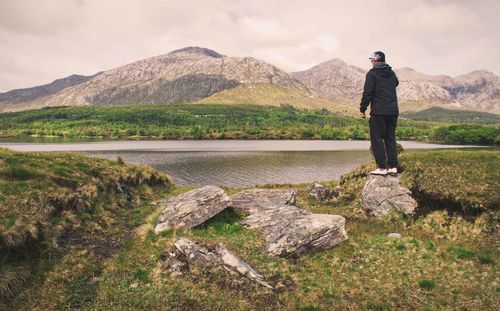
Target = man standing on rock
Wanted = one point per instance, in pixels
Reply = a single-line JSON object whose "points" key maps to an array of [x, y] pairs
{"points": [[380, 91]]}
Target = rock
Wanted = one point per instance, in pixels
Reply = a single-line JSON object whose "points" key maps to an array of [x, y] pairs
{"points": [[124, 192], [394, 235], [185, 252], [292, 232], [289, 231], [381, 194], [134, 285], [253, 200], [233, 263], [192, 208], [322, 193], [195, 253]]}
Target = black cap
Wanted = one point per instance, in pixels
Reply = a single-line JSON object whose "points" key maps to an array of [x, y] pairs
{"points": [[378, 56]]}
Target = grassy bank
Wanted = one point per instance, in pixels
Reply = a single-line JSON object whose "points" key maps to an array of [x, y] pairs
{"points": [[447, 259], [58, 206], [222, 121]]}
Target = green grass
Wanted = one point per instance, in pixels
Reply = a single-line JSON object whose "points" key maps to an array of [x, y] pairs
{"points": [[53, 202], [223, 121], [444, 261], [207, 121], [458, 181], [448, 115], [427, 284]]}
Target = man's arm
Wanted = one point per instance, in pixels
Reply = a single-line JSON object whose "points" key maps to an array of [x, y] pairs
{"points": [[397, 81], [368, 91]]}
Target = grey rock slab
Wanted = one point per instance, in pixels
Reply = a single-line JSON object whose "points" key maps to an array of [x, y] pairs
{"points": [[289, 231], [253, 200], [192, 208], [185, 252], [381, 194], [234, 263]]}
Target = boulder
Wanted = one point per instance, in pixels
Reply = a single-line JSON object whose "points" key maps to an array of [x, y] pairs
{"points": [[381, 194], [322, 193], [192, 208], [253, 200], [289, 231], [185, 252]]}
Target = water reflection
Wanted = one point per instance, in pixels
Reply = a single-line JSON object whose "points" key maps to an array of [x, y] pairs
{"points": [[242, 168]]}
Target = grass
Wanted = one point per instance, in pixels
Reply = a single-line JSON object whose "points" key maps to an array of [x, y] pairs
{"points": [[448, 115], [460, 181], [218, 119], [445, 260], [52, 205], [271, 94]]}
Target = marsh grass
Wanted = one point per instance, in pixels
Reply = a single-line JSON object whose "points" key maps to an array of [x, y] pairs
{"points": [[444, 261], [53, 202]]}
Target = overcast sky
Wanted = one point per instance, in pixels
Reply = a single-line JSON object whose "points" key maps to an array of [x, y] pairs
{"points": [[42, 40]]}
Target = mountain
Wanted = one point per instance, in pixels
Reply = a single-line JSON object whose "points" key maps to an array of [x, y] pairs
{"points": [[477, 90], [18, 96], [197, 74], [184, 75], [334, 80]]}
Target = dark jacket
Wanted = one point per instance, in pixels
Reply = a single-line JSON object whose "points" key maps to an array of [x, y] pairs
{"points": [[380, 90]]}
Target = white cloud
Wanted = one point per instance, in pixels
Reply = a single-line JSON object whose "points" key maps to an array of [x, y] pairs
{"points": [[47, 39]]}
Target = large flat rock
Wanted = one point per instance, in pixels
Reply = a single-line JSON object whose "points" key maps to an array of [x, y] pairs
{"points": [[289, 231], [192, 208], [381, 194], [253, 200]]}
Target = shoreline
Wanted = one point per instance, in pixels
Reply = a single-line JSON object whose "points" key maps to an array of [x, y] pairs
{"points": [[218, 145]]}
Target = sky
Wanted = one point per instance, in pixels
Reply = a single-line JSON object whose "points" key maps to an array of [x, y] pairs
{"points": [[42, 40]]}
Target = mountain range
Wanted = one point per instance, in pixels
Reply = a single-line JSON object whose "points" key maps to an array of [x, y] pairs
{"points": [[201, 75]]}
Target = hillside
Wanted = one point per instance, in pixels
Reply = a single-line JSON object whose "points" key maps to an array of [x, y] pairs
{"points": [[458, 116], [335, 80], [10, 100], [197, 74], [478, 90], [275, 95], [446, 258], [56, 207], [223, 121], [184, 75]]}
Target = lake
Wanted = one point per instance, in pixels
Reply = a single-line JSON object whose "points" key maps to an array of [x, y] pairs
{"points": [[233, 163]]}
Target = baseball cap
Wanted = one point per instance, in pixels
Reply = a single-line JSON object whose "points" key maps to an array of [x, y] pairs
{"points": [[378, 56]]}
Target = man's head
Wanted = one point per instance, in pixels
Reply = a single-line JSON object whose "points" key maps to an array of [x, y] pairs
{"points": [[377, 57]]}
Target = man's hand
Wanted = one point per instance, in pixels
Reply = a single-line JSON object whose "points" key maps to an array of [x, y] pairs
{"points": [[362, 114]]}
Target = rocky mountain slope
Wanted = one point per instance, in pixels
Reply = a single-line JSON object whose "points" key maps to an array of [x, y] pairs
{"points": [[334, 79], [14, 97], [195, 74], [183, 75], [477, 90]]}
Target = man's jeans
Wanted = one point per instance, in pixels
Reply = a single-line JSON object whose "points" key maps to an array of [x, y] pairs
{"points": [[383, 140]]}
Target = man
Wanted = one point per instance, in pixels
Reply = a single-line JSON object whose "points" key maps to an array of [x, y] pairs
{"points": [[380, 91]]}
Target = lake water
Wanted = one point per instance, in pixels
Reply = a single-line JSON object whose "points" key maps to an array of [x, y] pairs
{"points": [[234, 163]]}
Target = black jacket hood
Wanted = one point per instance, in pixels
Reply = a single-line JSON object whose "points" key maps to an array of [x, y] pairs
{"points": [[383, 69]]}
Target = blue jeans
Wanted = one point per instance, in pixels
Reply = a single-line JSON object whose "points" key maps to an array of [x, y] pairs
{"points": [[383, 140]]}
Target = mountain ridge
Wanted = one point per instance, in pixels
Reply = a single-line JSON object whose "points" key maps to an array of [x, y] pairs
{"points": [[476, 90], [193, 74]]}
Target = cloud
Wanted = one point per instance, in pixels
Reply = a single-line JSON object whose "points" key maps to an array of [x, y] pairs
{"points": [[47, 39]]}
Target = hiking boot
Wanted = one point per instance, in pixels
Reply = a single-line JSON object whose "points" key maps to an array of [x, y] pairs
{"points": [[393, 171], [379, 171]]}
